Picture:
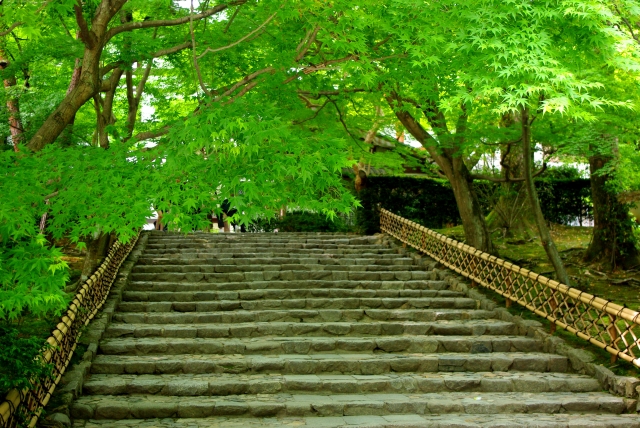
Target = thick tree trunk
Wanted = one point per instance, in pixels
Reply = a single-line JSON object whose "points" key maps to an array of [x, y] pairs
{"points": [[545, 236], [88, 85], [13, 106], [613, 241]]}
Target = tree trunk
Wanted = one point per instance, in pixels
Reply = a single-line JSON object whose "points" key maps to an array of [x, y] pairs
{"points": [[68, 131], [452, 164], [545, 236], [613, 240], [510, 206], [475, 227], [13, 105], [96, 250], [104, 108], [88, 85]]}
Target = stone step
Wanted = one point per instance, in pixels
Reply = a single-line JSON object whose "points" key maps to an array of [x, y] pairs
{"points": [[293, 304], [286, 275], [278, 259], [301, 316], [156, 234], [190, 287], [296, 329], [244, 259], [297, 293], [188, 243], [282, 405], [374, 316], [234, 384], [265, 303], [352, 364], [230, 246], [260, 267], [275, 251], [476, 345], [451, 420]]}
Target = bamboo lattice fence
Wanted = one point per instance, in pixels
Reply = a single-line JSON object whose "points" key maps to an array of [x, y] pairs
{"points": [[603, 323], [25, 406]]}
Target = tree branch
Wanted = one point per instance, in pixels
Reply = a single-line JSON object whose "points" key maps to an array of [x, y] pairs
{"points": [[240, 40], [168, 51], [85, 33], [316, 95], [243, 82], [193, 53], [233, 17], [170, 22], [11, 28], [148, 135], [143, 80], [244, 90], [306, 43], [298, 122], [344, 125], [382, 42]]}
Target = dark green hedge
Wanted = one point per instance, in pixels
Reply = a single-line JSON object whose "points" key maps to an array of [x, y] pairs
{"points": [[431, 202], [566, 201], [425, 201]]}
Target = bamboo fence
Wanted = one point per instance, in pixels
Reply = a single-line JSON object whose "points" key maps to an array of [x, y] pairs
{"points": [[24, 407], [603, 323]]}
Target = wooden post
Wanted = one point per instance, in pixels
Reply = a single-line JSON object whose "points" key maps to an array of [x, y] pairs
{"points": [[554, 305], [509, 290], [613, 334], [473, 264]]}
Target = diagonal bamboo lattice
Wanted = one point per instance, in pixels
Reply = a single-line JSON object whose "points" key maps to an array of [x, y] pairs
{"points": [[24, 407], [605, 324]]}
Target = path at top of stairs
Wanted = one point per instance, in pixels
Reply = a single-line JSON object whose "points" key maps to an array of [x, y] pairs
{"points": [[320, 330]]}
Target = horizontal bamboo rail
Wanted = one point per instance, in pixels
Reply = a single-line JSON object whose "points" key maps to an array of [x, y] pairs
{"points": [[603, 323], [25, 406]]}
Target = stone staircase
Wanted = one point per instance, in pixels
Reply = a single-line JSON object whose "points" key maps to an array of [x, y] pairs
{"points": [[320, 330]]}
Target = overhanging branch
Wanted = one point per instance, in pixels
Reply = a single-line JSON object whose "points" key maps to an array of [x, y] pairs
{"points": [[131, 26]]}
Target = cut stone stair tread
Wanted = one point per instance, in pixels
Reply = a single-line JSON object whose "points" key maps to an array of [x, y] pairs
{"points": [[304, 315], [287, 275], [246, 260], [485, 344], [282, 405], [265, 267], [293, 303], [289, 284], [243, 249], [372, 316], [232, 384], [139, 290], [275, 328], [252, 247], [321, 288], [354, 363], [535, 420]]}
